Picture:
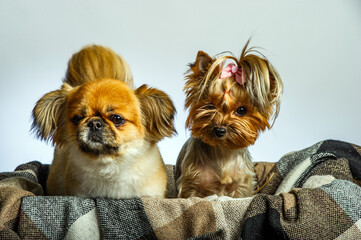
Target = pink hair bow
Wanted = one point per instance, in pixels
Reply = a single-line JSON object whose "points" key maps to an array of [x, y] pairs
{"points": [[233, 70]]}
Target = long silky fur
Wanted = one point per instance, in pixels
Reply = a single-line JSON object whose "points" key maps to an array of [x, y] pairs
{"points": [[210, 164], [48, 115], [195, 153], [157, 113]]}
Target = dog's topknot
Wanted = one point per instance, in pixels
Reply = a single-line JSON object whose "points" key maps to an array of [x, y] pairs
{"points": [[95, 62], [263, 83]]}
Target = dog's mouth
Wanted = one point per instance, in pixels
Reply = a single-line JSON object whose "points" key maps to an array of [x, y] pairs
{"points": [[214, 141], [96, 148], [223, 137], [96, 143], [212, 137]]}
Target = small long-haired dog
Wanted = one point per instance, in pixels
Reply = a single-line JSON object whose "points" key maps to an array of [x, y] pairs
{"points": [[105, 133], [228, 108]]}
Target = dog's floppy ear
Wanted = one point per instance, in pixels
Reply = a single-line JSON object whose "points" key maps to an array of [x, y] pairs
{"points": [[48, 114], [157, 113]]}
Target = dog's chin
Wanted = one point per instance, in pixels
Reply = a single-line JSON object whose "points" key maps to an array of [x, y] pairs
{"points": [[98, 148]]}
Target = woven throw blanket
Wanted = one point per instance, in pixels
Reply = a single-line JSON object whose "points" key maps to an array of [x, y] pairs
{"points": [[314, 193]]}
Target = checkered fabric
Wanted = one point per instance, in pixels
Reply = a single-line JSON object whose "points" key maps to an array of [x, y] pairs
{"points": [[314, 193]]}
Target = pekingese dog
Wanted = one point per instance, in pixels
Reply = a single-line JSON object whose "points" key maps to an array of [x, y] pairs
{"points": [[228, 107], [105, 133]]}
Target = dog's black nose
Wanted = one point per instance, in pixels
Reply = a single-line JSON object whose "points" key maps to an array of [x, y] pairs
{"points": [[95, 125], [219, 131]]}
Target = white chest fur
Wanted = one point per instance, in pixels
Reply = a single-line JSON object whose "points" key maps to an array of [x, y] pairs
{"points": [[122, 176]]}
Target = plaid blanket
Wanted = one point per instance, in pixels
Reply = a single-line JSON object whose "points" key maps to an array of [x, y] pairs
{"points": [[314, 193]]}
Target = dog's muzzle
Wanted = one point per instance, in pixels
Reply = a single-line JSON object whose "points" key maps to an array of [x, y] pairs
{"points": [[96, 128]]}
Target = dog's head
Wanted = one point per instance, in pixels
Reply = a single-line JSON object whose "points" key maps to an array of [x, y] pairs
{"points": [[103, 117], [230, 106]]}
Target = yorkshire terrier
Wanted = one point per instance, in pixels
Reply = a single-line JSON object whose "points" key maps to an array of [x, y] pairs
{"points": [[228, 108], [105, 133]]}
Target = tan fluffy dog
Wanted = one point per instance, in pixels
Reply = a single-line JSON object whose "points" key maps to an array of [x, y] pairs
{"points": [[105, 133]]}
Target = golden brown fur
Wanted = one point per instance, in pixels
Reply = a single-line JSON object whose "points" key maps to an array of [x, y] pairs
{"points": [[225, 117], [154, 101], [103, 145], [96, 62]]}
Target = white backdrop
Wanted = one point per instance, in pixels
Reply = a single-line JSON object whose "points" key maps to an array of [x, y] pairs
{"points": [[315, 45]]}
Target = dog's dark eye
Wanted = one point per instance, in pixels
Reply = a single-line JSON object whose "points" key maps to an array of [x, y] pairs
{"points": [[117, 119], [209, 106], [76, 119], [241, 111]]}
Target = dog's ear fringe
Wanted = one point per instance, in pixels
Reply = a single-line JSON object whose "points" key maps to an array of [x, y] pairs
{"points": [[157, 113], [48, 114], [94, 62]]}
